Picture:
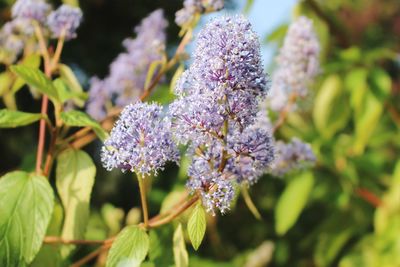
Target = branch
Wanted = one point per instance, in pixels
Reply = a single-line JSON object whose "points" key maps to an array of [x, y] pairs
{"points": [[60, 240], [285, 112], [369, 197]]}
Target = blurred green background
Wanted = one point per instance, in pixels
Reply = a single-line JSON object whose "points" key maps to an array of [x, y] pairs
{"points": [[351, 118]]}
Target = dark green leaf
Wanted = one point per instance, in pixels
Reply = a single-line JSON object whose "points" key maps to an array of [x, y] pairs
{"points": [[26, 205], [129, 248], [12, 119]]}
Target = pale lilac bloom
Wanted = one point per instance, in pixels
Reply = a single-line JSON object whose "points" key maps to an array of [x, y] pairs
{"points": [[140, 141], [66, 19], [126, 79], [297, 63], [292, 156]]}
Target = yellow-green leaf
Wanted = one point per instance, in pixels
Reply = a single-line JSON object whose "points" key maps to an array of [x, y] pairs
{"points": [[129, 248], [34, 77], [181, 255], [81, 119], [75, 175], [197, 226], [13, 118], [292, 202]]}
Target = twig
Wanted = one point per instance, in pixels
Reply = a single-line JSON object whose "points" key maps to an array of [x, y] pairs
{"points": [[142, 189], [174, 213], [285, 112], [45, 100], [59, 240], [108, 243], [368, 196], [92, 255]]}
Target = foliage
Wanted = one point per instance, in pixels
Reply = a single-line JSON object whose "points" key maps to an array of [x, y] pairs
{"points": [[332, 202]]}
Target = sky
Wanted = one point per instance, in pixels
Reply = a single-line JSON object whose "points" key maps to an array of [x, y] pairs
{"points": [[266, 15]]}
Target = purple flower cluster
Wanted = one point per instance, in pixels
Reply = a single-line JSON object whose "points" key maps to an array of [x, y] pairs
{"points": [[292, 156], [31, 10], [190, 8], [19, 32], [140, 141], [297, 63], [127, 76], [65, 20], [11, 40], [216, 109]]}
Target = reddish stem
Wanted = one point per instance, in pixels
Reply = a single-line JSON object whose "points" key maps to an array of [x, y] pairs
{"points": [[368, 196]]}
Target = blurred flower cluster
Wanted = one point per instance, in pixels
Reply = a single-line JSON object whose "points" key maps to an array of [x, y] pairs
{"points": [[297, 63], [126, 79], [19, 33]]}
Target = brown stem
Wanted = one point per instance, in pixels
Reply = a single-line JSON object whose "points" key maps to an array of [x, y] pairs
{"points": [[285, 112], [42, 135], [92, 255], [142, 189], [162, 215], [57, 53], [50, 153], [83, 141], [175, 213], [369, 197], [59, 240], [108, 243]]}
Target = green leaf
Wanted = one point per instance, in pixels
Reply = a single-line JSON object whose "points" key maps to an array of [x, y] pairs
{"points": [[381, 83], [197, 226], [176, 77], [49, 255], [75, 175], [160, 251], [12, 119], [66, 94], [367, 121], [247, 7], [356, 85], [81, 119], [153, 68], [129, 248], [68, 76], [292, 202], [331, 112], [26, 205], [181, 255], [5, 82], [34, 77], [278, 34], [32, 61], [162, 95]]}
